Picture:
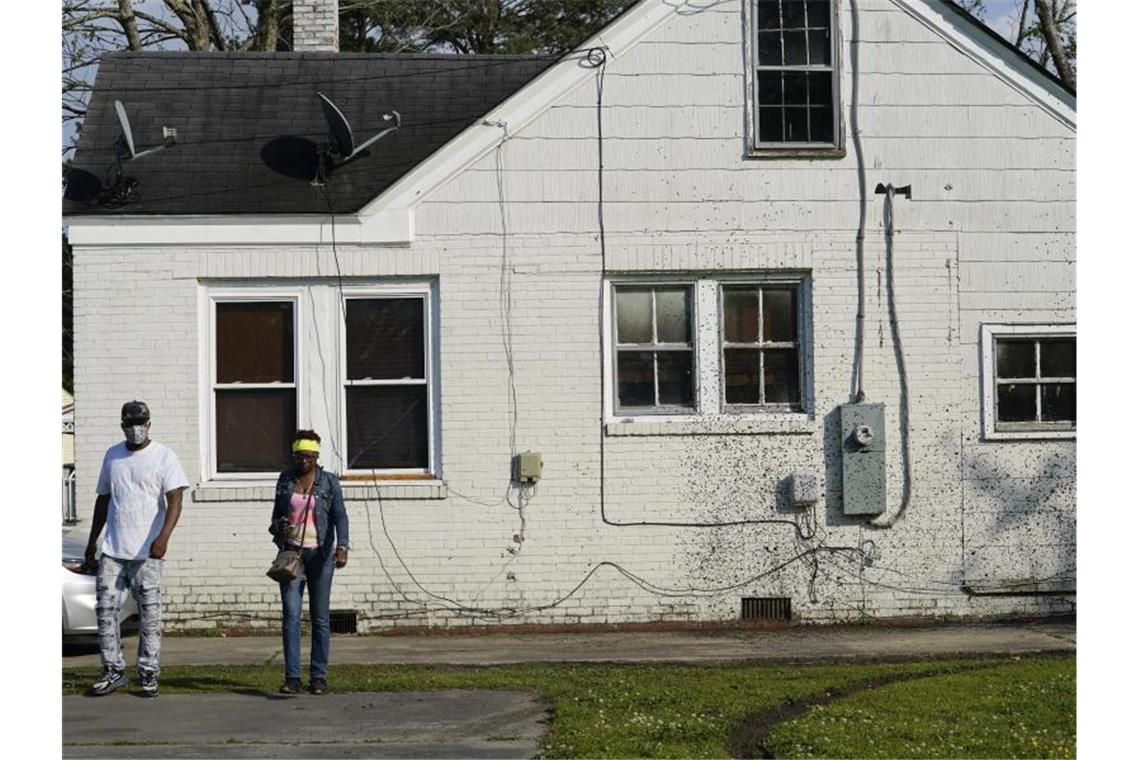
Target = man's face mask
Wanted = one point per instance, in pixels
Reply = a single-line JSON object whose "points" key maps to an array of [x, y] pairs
{"points": [[135, 434]]}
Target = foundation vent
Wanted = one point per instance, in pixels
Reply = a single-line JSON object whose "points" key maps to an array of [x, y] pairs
{"points": [[766, 608], [342, 621]]}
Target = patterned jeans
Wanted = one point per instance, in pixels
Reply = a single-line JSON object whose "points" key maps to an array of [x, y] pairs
{"points": [[143, 579]]}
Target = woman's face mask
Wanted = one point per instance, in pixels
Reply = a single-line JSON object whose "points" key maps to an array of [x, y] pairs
{"points": [[135, 434]]}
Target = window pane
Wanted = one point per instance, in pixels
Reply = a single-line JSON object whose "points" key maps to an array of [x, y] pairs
{"points": [[770, 127], [768, 49], [741, 376], [384, 338], [387, 427], [822, 125], [781, 376], [254, 342], [819, 12], [1058, 357], [1059, 402], [254, 429], [768, 14], [819, 89], [793, 11], [795, 48], [769, 87], [819, 47], [741, 315], [635, 378], [1016, 358], [634, 315], [795, 125], [1017, 403], [673, 324], [675, 377], [795, 88], [779, 315]]}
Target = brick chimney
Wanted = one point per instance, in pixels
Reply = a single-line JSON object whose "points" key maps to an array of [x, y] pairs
{"points": [[316, 25]]}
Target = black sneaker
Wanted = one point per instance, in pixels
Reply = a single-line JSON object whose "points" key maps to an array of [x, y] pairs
{"points": [[291, 686], [149, 681], [318, 686], [108, 682]]}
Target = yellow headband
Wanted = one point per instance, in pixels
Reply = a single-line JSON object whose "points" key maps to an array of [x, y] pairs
{"points": [[304, 444]]}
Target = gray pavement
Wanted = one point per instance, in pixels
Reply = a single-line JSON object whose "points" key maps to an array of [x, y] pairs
{"points": [[461, 723]]}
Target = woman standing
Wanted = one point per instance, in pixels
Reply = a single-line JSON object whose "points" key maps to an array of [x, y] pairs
{"points": [[309, 514]]}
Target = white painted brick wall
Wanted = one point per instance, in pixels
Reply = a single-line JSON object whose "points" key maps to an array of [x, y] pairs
{"points": [[987, 238]]}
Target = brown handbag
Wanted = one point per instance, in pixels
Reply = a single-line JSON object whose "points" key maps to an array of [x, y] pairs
{"points": [[287, 564]]}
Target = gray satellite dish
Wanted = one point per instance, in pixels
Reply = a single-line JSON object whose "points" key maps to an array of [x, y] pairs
{"points": [[129, 139], [341, 132]]}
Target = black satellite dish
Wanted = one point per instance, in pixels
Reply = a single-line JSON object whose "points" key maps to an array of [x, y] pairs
{"points": [[127, 138], [342, 145]]}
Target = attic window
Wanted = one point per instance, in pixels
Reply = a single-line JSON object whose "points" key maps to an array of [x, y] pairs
{"points": [[794, 95]]}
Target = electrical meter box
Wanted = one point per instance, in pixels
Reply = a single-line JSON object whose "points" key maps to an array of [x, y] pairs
{"points": [[528, 467], [864, 448]]}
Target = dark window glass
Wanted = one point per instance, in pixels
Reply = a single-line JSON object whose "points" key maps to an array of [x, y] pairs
{"points": [[675, 377], [1058, 357], [819, 47], [819, 89], [387, 427], [254, 428], [819, 13], [673, 323], [634, 315], [779, 316], [795, 125], [771, 128], [741, 376], [741, 317], [795, 48], [768, 14], [1059, 402], [1017, 403], [384, 338], [768, 49], [793, 12], [769, 88], [821, 125], [781, 376], [796, 88], [254, 342], [635, 378], [1016, 358]]}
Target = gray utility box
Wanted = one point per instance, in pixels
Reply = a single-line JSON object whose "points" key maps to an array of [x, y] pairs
{"points": [[864, 447]]}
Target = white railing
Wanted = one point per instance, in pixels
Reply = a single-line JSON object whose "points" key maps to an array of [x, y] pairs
{"points": [[69, 514]]}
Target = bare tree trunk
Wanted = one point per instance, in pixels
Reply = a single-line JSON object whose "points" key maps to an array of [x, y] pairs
{"points": [[268, 25], [211, 23], [130, 25], [1022, 29], [1053, 43]]}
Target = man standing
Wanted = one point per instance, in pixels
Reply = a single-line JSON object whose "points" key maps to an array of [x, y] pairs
{"points": [[139, 501]]}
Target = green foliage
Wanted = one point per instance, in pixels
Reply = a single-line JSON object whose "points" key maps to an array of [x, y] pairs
{"points": [[689, 711], [1013, 709]]}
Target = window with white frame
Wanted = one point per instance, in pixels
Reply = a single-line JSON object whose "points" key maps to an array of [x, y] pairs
{"points": [[760, 346], [254, 384], [794, 77], [363, 377], [654, 348], [1030, 377], [386, 383]]}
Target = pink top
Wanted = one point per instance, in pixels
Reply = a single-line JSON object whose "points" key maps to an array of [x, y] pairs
{"points": [[297, 505]]}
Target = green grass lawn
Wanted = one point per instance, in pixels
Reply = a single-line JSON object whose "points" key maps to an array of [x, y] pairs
{"points": [[955, 708]]}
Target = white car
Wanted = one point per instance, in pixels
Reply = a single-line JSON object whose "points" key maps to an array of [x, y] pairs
{"points": [[79, 594]]}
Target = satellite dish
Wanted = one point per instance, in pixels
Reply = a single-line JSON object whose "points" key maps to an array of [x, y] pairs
{"points": [[127, 138], [340, 132]]}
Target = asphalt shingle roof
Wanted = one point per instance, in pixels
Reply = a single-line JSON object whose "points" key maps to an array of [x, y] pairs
{"points": [[248, 124]]}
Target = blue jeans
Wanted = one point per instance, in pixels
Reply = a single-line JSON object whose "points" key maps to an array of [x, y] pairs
{"points": [[143, 579], [317, 574]]}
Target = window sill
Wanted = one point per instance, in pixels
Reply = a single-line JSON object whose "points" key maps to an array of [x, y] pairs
{"points": [[353, 492], [770, 154], [1030, 435], [797, 424]]}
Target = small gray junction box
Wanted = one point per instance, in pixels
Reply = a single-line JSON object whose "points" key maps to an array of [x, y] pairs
{"points": [[528, 467], [864, 447]]}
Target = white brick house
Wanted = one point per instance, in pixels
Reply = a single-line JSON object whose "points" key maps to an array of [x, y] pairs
{"points": [[486, 301]]}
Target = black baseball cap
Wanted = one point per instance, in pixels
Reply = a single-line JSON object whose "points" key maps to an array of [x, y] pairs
{"points": [[135, 412]]}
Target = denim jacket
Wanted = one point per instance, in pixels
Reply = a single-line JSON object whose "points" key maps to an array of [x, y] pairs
{"points": [[329, 503]]}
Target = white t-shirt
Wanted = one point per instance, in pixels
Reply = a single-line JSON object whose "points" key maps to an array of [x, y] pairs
{"points": [[137, 482]]}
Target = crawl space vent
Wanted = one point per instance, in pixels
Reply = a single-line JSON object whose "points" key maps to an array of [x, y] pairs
{"points": [[766, 608], [342, 621]]}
